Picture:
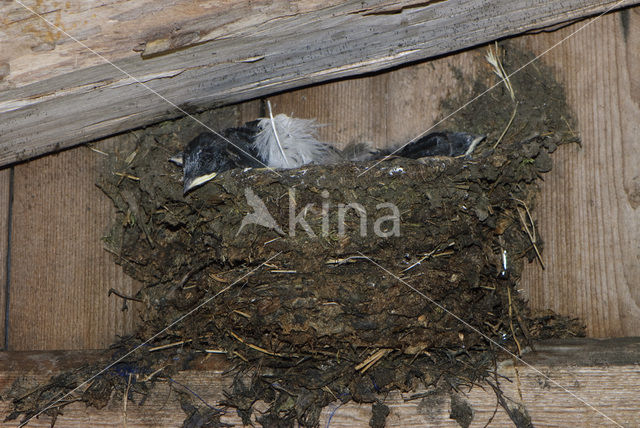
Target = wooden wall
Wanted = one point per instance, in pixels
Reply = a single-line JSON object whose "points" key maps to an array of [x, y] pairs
{"points": [[56, 276]]}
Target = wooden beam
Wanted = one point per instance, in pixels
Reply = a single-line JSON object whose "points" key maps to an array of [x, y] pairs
{"points": [[557, 391], [6, 176], [589, 205], [219, 52]]}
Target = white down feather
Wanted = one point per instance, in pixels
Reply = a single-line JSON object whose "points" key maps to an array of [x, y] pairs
{"points": [[298, 141]]}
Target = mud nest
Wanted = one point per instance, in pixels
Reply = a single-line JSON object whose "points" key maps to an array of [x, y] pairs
{"points": [[360, 279]]}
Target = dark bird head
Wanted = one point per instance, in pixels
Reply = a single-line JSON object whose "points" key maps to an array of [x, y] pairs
{"points": [[441, 144], [204, 157]]}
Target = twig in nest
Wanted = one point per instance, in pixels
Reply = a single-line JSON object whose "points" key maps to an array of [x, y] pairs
{"points": [[93, 149], [125, 399], [495, 376], [169, 345], [217, 278], [516, 411], [275, 133], [513, 116], [239, 355], [573, 134], [271, 240], [150, 376], [124, 298], [525, 332], [243, 314], [134, 207], [215, 351], [493, 58], [350, 259], [530, 231], [513, 330], [125, 175], [129, 159], [433, 254], [254, 347], [374, 358], [429, 254]]}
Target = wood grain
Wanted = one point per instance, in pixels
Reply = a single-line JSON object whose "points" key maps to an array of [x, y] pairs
{"points": [[5, 206], [385, 109], [589, 211], [556, 392], [60, 274], [32, 50], [252, 49]]}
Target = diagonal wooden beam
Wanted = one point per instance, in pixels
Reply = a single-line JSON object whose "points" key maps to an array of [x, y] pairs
{"points": [[60, 94]]}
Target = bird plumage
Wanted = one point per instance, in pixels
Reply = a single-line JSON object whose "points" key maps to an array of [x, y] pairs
{"points": [[440, 144], [286, 142]]}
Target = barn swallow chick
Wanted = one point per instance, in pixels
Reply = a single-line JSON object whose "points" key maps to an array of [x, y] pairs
{"points": [[451, 144], [209, 154], [285, 142], [281, 142]]}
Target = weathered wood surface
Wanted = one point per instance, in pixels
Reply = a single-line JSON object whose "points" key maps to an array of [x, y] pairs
{"points": [[5, 196], [217, 52], [386, 108], [609, 385], [60, 274], [589, 211]]}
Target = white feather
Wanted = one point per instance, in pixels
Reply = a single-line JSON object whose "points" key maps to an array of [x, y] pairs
{"points": [[298, 143]]}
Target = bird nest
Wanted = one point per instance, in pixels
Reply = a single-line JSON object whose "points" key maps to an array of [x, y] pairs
{"points": [[341, 281]]}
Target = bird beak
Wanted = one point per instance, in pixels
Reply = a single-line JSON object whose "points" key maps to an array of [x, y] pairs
{"points": [[198, 181], [177, 159], [476, 139]]}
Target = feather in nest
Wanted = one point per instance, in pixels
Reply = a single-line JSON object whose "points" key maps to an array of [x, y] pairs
{"points": [[287, 142]]}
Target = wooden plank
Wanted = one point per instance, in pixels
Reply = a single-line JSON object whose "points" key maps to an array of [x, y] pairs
{"points": [[60, 274], [610, 386], [385, 109], [252, 50], [590, 203], [32, 51], [5, 206]]}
